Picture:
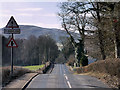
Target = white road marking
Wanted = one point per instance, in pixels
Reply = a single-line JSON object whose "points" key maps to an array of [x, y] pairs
{"points": [[69, 84], [67, 81], [66, 77]]}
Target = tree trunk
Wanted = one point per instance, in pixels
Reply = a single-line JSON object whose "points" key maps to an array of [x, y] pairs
{"points": [[100, 36], [116, 31], [101, 44], [76, 57], [117, 43]]}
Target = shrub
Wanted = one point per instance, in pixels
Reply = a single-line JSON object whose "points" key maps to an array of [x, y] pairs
{"points": [[110, 66]]}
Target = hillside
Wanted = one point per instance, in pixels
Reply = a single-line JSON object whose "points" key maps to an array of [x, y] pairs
{"points": [[56, 34]]}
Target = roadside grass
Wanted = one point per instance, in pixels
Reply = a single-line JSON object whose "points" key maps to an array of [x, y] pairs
{"points": [[34, 68], [17, 72]]}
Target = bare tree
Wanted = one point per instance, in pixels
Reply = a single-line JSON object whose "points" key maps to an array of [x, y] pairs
{"points": [[108, 11], [114, 15], [74, 20]]}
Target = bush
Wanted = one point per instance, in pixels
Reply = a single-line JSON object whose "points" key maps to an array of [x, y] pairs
{"points": [[109, 66]]}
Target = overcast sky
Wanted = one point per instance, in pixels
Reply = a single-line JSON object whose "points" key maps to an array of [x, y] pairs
{"points": [[43, 14]]}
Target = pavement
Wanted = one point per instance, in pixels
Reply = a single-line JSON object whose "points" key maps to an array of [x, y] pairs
{"points": [[61, 77]]}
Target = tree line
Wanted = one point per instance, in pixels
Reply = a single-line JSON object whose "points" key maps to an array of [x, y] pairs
{"points": [[31, 51], [98, 21]]}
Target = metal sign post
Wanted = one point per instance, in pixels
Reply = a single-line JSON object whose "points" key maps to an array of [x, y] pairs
{"points": [[12, 56], [12, 53], [12, 28]]}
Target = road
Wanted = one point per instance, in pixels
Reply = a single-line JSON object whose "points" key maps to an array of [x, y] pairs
{"points": [[61, 77]]}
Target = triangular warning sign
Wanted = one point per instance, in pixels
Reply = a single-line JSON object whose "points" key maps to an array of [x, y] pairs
{"points": [[12, 43], [12, 23]]}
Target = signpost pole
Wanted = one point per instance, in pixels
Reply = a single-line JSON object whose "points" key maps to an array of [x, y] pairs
{"points": [[12, 57], [12, 53]]}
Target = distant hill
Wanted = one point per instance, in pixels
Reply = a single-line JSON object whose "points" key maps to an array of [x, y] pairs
{"points": [[56, 34]]}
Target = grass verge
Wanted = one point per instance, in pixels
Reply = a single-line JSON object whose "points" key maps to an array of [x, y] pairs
{"points": [[34, 68], [17, 72]]}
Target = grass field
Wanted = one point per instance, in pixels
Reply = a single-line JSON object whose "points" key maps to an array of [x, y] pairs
{"points": [[34, 68]]}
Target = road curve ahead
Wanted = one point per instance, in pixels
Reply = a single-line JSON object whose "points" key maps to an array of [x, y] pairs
{"points": [[61, 77]]}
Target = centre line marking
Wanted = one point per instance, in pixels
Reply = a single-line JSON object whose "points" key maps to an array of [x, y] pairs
{"points": [[69, 84], [66, 77]]}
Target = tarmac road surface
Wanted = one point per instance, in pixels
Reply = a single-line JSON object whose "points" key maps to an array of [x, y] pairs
{"points": [[61, 77]]}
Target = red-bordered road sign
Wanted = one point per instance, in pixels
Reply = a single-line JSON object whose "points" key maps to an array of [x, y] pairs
{"points": [[12, 43], [12, 27]]}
